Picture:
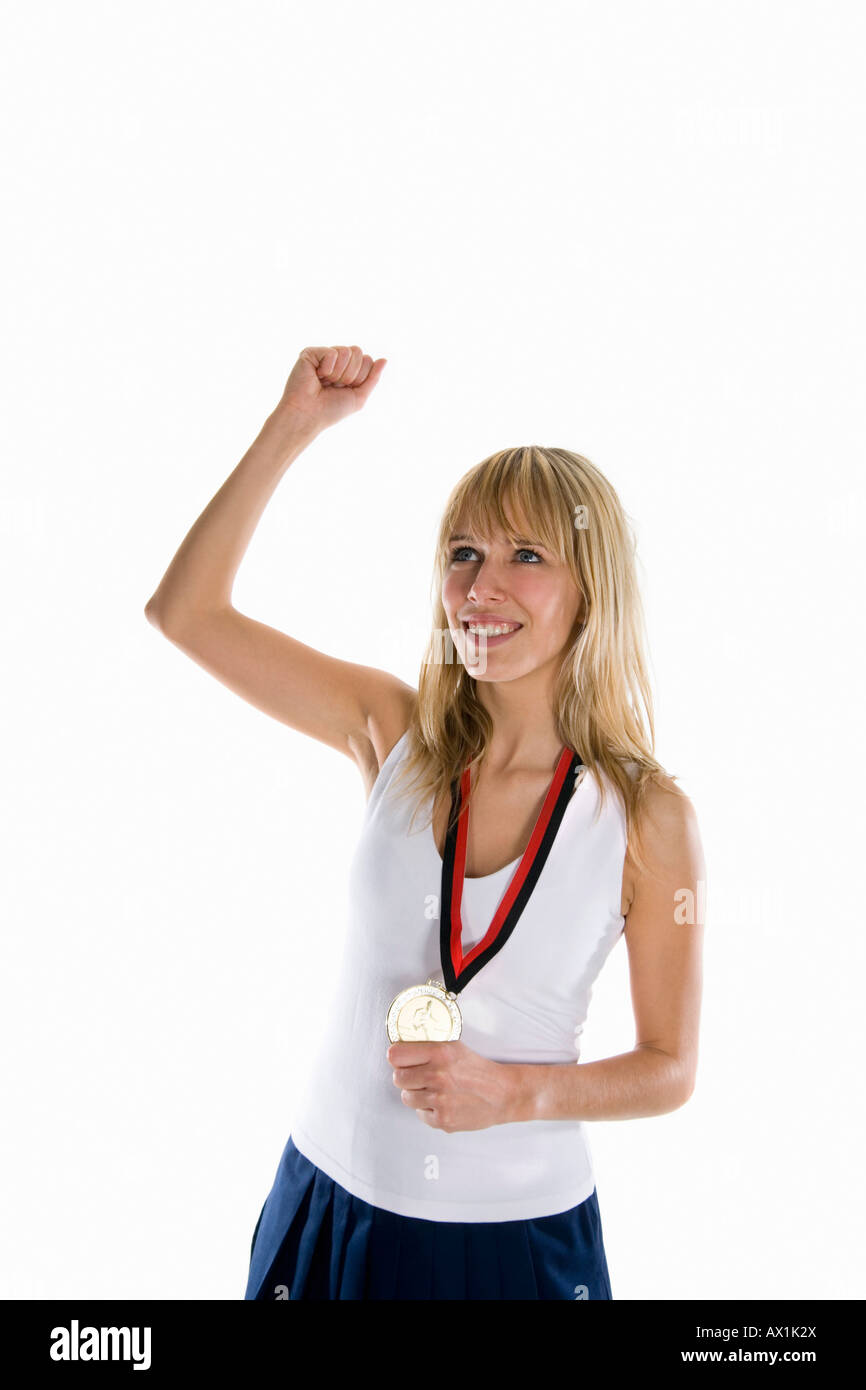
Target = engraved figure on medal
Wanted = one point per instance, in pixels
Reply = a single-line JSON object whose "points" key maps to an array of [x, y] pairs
{"points": [[429, 1021], [424, 1013]]}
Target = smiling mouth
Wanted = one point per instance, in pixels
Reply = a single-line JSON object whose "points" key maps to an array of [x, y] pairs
{"points": [[490, 629]]}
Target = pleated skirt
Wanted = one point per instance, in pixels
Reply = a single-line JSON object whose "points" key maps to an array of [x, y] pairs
{"points": [[315, 1240]]}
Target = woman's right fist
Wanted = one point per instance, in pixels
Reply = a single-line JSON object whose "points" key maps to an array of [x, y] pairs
{"points": [[328, 383]]}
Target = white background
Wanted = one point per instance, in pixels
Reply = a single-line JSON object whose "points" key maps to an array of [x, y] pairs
{"points": [[632, 230]]}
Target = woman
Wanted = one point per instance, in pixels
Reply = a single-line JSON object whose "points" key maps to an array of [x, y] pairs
{"points": [[440, 1149]]}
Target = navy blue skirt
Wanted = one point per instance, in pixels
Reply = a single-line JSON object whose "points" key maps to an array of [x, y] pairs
{"points": [[315, 1240]]}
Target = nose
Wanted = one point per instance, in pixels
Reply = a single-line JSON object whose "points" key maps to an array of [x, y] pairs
{"points": [[488, 581]]}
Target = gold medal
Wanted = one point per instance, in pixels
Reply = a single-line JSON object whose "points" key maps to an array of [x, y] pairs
{"points": [[425, 1013]]}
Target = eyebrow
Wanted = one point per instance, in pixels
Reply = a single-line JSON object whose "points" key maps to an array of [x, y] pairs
{"points": [[520, 541]]}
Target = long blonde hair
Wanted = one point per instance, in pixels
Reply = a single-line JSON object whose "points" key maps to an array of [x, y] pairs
{"points": [[574, 511]]}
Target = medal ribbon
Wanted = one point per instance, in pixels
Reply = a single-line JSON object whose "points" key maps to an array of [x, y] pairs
{"points": [[458, 969]]}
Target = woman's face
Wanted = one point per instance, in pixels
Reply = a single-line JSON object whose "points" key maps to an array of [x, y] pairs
{"points": [[522, 587]]}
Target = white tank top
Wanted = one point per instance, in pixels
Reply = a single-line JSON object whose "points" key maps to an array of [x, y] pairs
{"points": [[527, 1004]]}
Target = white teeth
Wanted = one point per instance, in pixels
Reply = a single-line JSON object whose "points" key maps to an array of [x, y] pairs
{"points": [[492, 629]]}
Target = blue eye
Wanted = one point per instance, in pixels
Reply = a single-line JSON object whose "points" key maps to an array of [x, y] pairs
{"points": [[524, 550]]}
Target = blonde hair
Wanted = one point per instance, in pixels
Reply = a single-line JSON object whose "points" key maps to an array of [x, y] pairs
{"points": [[572, 509]]}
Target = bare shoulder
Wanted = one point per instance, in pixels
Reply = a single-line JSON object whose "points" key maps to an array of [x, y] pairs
{"points": [[671, 845], [670, 839], [389, 717]]}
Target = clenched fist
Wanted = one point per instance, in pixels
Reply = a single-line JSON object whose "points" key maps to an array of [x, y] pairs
{"points": [[328, 383]]}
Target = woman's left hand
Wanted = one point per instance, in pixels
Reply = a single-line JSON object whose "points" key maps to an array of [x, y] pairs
{"points": [[451, 1087]]}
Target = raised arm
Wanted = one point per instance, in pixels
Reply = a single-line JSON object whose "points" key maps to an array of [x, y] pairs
{"points": [[359, 710]]}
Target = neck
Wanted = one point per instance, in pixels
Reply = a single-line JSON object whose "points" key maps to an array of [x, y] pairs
{"points": [[524, 734]]}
